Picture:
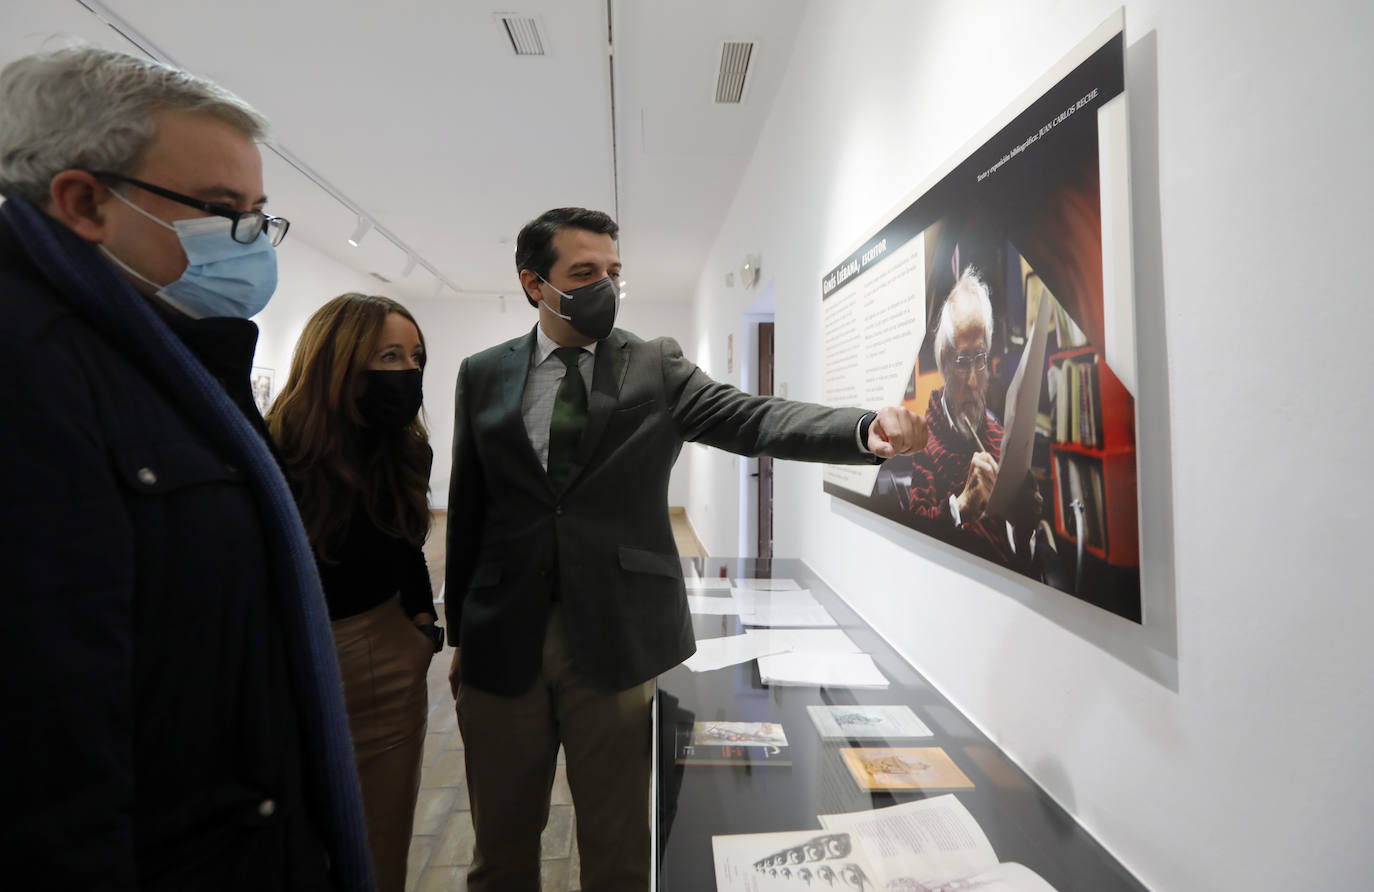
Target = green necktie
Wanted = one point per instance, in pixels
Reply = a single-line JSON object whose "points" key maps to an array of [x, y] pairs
{"points": [[569, 417]]}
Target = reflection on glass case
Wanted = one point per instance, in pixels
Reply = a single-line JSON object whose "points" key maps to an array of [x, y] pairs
{"points": [[746, 771]]}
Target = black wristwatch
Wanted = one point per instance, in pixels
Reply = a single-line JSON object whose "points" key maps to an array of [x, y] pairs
{"points": [[434, 633]]}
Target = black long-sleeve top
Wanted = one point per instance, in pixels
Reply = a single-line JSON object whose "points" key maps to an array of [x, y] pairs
{"points": [[371, 567]]}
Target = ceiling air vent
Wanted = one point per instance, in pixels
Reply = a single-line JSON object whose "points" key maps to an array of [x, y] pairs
{"points": [[523, 32], [734, 70]]}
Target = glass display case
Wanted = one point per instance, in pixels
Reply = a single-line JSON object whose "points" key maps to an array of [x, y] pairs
{"points": [[715, 777]]}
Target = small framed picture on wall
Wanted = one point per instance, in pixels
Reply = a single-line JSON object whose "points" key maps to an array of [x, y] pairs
{"points": [[263, 391]]}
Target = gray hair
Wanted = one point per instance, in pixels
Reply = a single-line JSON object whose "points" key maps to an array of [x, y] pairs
{"points": [[970, 286], [92, 109]]}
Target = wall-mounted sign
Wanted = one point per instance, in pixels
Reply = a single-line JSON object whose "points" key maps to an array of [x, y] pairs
{"points": [[997, 302]]}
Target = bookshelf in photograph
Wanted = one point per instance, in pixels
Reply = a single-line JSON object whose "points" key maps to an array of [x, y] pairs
{"points": [[1092, 447]]}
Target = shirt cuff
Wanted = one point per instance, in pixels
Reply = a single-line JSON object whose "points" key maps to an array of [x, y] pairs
{"points": [[954, 511], [861, 431]]}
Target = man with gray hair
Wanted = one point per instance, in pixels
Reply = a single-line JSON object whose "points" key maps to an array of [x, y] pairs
{"points": [[170, 677], [953, 478]]}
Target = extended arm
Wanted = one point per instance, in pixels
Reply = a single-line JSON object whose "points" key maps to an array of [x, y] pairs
{"points": [[723, 416], [726, 417]]}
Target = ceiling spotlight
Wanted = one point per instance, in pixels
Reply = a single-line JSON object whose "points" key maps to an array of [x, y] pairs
{"points": [[363, 227], [410, 265]]}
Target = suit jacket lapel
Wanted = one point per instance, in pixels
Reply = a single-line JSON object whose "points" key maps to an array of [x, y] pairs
{"points": [[514, 371], [608, 374]]}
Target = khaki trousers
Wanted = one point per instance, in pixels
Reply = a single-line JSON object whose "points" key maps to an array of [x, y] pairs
{"points": [[511, 746], [384, 658]]}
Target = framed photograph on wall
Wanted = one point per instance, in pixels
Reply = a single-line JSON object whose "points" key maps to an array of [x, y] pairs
{"points": [[263, 380], [997, 302]]}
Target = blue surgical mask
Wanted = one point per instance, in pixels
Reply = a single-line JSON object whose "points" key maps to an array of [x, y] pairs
{"points": [[223, 277]]}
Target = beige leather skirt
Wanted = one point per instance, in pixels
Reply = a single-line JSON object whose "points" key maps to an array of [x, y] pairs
{"points": [[384, 658]]}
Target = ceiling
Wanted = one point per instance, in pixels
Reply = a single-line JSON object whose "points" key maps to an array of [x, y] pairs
{"points": [[419, 115]]}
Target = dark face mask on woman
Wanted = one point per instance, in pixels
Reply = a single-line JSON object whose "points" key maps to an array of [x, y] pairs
{"points": [[391, 399], [590, 309]]}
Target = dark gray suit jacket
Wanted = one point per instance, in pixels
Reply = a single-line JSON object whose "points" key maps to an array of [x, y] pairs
{"points": [[604, 542]]}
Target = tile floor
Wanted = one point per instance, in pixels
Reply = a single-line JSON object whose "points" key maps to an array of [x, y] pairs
{"points": [[441, 847]]}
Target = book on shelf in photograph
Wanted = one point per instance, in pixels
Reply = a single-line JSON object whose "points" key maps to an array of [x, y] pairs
{"points": [[1076, 400], [1083, 477]]}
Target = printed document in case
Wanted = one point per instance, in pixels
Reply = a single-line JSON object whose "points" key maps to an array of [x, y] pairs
{"points": [[712, 605], [717, 653], [829, 670], [794, 859], [766, 585], [864, 722], [934, 842]]}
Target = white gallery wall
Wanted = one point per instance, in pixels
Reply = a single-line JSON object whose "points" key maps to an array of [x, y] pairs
{"points": [[306, 280], [1223, 745]]}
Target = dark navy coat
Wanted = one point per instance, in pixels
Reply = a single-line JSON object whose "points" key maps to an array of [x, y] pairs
{"points": [[146, 689]]}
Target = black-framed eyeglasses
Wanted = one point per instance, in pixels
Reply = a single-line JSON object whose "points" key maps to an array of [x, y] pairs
{"points": [[966, 362], [248, 225]]}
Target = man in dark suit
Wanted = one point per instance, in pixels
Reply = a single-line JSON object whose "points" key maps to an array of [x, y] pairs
{"points": [[564, 589]]}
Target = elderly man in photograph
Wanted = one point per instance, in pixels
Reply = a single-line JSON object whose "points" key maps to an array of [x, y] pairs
{"points": [[170, 680], [953, 477]]}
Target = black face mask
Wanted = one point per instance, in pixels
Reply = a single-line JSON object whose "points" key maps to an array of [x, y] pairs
{"points": [[391, 399], [590, 309]]}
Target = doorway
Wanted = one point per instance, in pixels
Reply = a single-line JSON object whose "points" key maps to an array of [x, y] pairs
{"points": [[757, 376], [764, 508]]}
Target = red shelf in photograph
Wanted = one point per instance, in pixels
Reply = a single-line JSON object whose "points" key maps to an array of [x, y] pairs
{"points": [[1093, 456]]}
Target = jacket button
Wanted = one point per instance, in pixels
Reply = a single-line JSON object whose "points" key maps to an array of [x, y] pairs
{"points": [[558, 509], [146, 476], [267, 808]]}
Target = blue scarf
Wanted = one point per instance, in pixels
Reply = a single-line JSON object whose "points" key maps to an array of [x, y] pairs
{"points": [[104, 297]]}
